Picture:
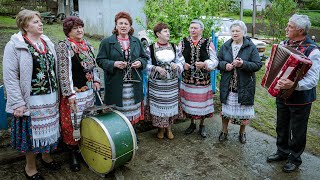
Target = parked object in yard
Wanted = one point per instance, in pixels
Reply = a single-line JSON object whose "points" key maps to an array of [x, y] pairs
{"points": [[49, 17], [221, 27], [223, 33]]}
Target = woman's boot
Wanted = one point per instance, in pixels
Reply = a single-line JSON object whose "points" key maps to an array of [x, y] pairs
{"points": [[169, 133], [74, 161], [160, 134]]}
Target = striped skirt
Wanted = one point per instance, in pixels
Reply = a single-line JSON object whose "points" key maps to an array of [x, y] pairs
{"points": [[196, 100], [163, 105], [163, 97], [84, 101], [134, 112]]}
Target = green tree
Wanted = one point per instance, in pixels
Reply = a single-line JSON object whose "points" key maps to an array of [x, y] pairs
{"points": [[277, 16], [309, 4], [179, 13]]}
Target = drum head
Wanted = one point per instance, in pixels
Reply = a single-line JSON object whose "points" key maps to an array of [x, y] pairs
{"points": [[95, 146]]}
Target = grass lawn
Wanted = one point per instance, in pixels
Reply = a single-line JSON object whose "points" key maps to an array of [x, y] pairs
{"points": [[264, 103]]}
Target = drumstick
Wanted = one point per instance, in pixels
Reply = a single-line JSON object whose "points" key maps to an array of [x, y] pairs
{"points": [[99, 97]]}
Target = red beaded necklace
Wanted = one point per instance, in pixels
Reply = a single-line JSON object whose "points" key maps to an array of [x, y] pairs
{"points": [[81, 44], [123, 43], [44, 51], [160, 44]]}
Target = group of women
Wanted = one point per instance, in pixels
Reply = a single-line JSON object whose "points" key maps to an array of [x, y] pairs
{"points": [[48, 88]]}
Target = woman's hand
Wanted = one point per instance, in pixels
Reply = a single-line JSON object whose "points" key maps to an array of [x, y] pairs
{"points": [[237, 62], [186, 66], [161, 71], [19, 111], [173, 66], [136, 64], [96, 86], [72, 104], [120, 64], [229, 67], [200, 65]]}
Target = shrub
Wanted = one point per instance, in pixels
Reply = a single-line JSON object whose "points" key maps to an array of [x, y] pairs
{"points": [[277, 16], [234, 8], [178, 15], [314, 18], [247, 12]]}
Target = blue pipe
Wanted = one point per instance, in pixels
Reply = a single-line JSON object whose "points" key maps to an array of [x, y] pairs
{"points": [[3, 114]]}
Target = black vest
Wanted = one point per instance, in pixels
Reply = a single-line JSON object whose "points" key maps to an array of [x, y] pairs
{"points": [[204, 50], [153, 58], [307, 96], [192, 54]]}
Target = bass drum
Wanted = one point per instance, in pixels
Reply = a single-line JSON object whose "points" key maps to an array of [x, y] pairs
{"points": [[107, 141]]}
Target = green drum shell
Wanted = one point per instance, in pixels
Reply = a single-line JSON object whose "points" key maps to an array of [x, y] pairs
{"points": [[120, 134]]}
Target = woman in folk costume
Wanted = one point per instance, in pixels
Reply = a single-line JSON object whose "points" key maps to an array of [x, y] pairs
{"points": [[238, 61], [164, 66], [196, 91], [78, 79], [29, 74], [122, 58]]}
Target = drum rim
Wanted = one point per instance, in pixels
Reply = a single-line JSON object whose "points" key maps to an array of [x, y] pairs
{"points": [[135, 145], [113, 147]]}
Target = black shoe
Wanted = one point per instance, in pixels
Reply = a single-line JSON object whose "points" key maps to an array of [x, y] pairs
{"points": [[191, 128], [53, 165], [223, 136], [74, 162], [289, 167], [242, 138], [202, 131], [36, 176], [276, 158]]}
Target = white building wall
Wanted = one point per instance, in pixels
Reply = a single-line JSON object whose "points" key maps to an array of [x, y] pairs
{"points": [[98, 15], [261, 4]]}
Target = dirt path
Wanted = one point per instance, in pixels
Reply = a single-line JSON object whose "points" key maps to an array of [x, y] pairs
{"points": [[191, 157]]}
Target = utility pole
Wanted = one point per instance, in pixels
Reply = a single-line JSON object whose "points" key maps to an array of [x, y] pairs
{"points": [[254, 18], [241, 10]]}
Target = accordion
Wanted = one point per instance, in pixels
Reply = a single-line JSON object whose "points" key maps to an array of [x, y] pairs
{"points": [[287, 63]]}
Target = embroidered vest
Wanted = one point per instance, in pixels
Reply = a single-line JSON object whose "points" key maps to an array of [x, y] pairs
{"points": [[163, 57], [195, 53], [44, 79], [83, 64]]}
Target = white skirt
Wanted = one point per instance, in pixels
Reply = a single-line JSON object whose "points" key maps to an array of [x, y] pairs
{"points": [[233, 109], [44, 119]]}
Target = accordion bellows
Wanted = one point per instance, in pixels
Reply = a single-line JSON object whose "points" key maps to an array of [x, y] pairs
{"points": [[288, 63]]}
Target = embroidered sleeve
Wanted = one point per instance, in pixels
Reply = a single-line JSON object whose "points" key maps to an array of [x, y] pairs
{"points": [[65, 69], [179, 59], [212, 63], [96, 75], [180, 46], [149, 65]]}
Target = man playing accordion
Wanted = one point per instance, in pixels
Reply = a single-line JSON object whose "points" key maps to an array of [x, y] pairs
{"points": [[293, 112]]}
